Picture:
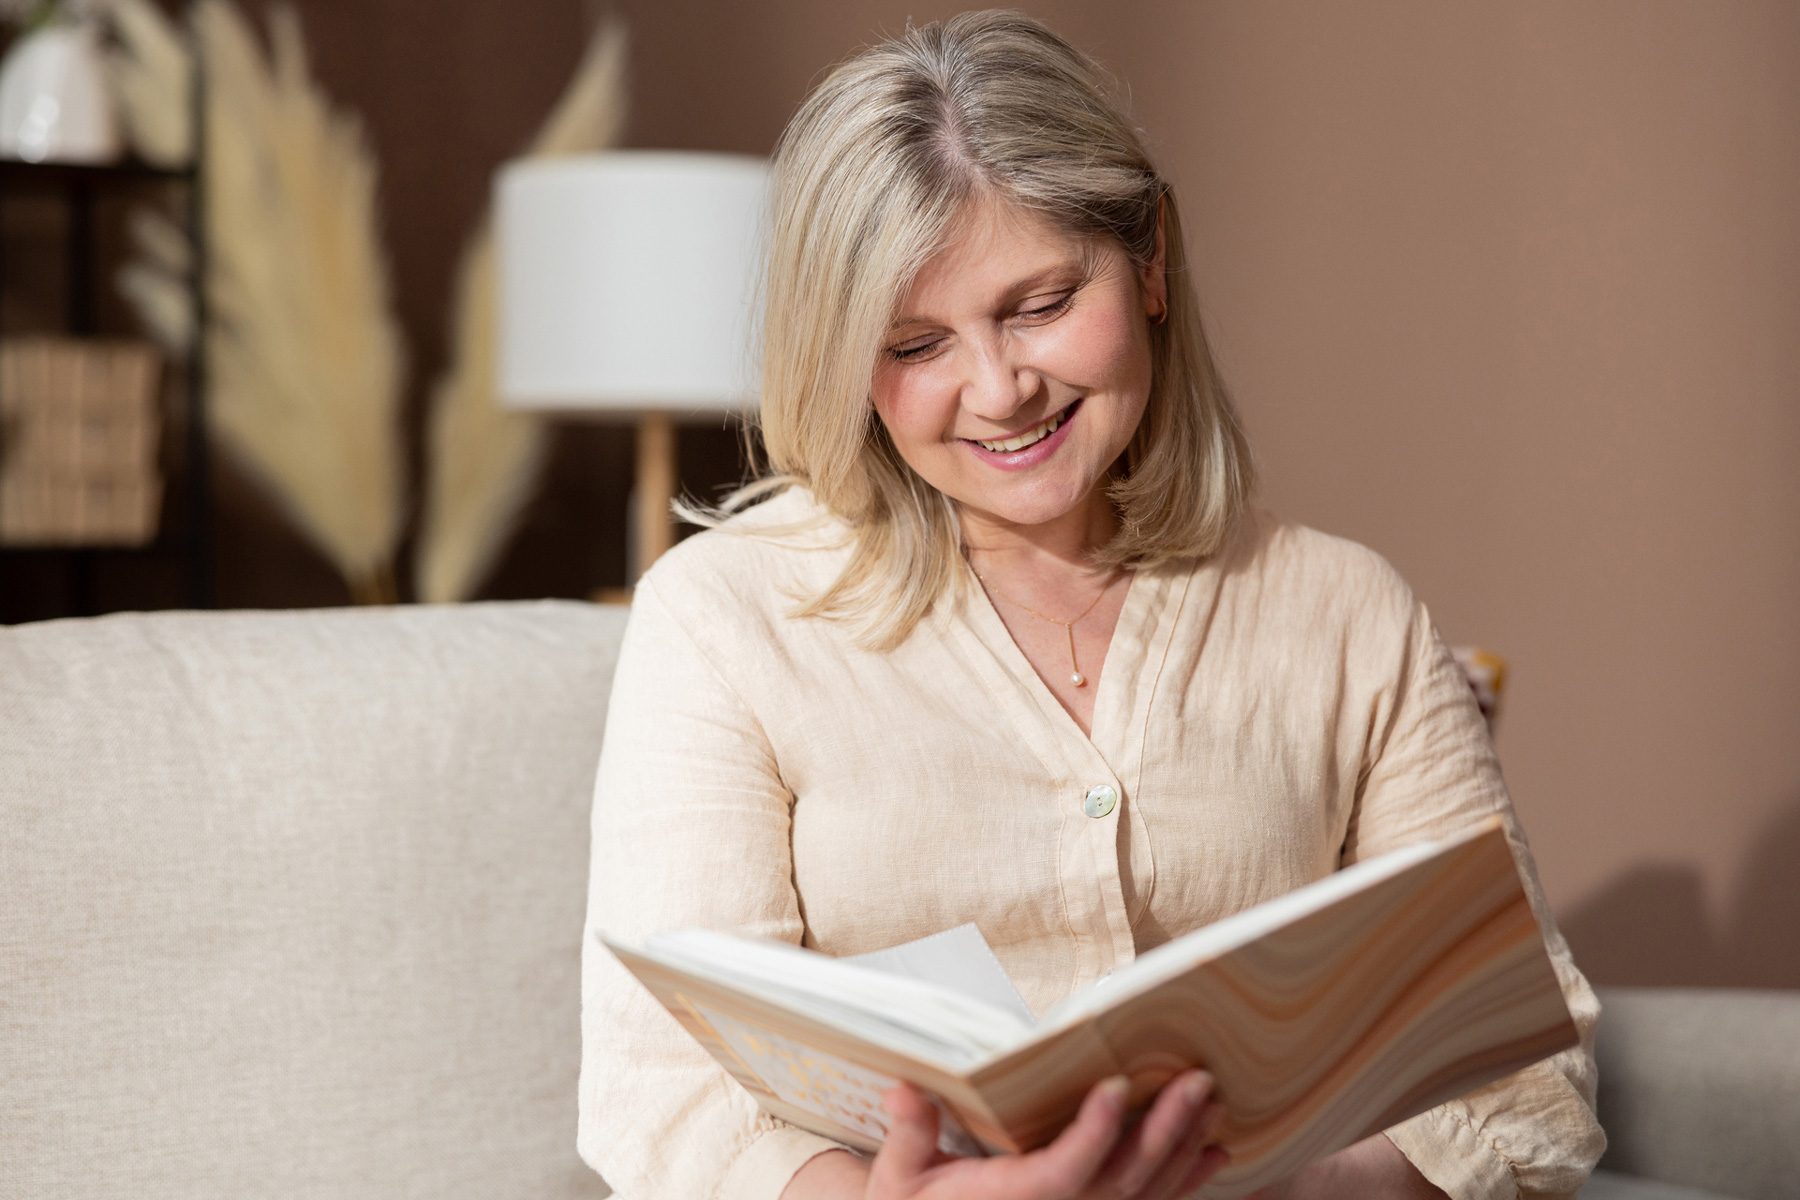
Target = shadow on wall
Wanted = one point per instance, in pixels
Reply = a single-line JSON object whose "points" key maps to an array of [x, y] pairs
{"points": [[1653, 925]]}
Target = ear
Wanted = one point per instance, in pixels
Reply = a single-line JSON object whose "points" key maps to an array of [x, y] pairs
{"points": [[1155, 277]]}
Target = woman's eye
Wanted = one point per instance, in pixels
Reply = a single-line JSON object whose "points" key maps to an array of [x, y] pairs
{"points": [[1050, 310], [915, 353], [909, 353]]}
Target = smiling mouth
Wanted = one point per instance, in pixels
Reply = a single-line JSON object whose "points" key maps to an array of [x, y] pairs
{"points": [[1036, 433]]}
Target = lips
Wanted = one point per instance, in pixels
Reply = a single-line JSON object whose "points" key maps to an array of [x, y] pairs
{"points": [[1029, 437], [1034, 445], [1035, 434]]}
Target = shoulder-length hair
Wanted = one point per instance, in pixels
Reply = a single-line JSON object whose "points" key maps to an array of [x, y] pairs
{"points": [[867, 181]]}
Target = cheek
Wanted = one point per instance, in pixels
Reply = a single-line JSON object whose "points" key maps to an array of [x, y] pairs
{"points": [[1098, 350], [910, 407]]}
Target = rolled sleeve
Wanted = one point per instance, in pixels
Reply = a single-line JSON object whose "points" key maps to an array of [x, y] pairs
{"points": [[1430, 770]]}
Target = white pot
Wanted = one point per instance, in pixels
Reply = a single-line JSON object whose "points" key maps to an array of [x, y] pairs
{"points": [[54, 105]]}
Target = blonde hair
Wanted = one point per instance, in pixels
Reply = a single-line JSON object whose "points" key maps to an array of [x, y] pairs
{"points": [[868, 179]]}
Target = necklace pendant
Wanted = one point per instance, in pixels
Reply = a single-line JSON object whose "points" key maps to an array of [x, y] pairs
{"points": [[1078, 679]]}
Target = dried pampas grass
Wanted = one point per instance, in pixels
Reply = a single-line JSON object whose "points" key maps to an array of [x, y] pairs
{"points": [[483, 459], [305, 353], [151, 75]]}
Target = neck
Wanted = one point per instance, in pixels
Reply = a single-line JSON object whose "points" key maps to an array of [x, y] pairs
{"points": [[1069, 541]]}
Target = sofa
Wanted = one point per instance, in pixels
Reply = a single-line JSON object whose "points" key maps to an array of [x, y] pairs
{"points": [[291, 905]]}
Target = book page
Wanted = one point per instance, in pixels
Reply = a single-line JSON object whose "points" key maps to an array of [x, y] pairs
{"points": [[959, 959], [923, 1018], [823, 1083]]}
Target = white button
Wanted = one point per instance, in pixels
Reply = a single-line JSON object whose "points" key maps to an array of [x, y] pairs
{"points": [[1101, 799]]}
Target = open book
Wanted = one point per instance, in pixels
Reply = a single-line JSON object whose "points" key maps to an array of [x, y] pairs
{"points": [[1325, 1015]]}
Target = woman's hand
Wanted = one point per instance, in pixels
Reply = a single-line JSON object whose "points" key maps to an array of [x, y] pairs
{"points": [[1166, 1155]]}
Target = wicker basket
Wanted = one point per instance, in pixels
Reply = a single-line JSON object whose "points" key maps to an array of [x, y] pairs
{"points": [[79, 421]]}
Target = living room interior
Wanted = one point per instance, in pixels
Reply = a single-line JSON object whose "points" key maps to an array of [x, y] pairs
{"points": [[1506, 292]]}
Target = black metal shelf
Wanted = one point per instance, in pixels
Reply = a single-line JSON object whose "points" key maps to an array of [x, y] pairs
{"points": [[78, 185], [18, 173]]}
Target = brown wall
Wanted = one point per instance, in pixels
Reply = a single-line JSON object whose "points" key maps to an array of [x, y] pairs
{"points": [[1509, 292]]}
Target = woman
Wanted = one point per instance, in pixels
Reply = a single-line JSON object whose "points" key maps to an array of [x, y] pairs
{"points": [[1009, 644]]}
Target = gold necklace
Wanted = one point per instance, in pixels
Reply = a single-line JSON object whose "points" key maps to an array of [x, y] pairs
{"points": [[1075, 675]]}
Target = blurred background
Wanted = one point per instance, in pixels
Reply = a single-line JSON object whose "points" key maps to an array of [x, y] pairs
{"points": [[1509, 292]]}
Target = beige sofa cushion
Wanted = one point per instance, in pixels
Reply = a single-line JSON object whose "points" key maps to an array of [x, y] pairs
{"points": [[291, 903]]}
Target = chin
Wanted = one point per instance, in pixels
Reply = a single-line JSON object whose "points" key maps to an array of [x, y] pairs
{"points": [[1037, 504]]}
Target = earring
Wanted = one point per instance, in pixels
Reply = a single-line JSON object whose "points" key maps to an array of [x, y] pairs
{"points": [[1162, 314]]}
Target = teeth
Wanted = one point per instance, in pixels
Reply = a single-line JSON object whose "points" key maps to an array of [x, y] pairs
{"points": [[1024, 439]]}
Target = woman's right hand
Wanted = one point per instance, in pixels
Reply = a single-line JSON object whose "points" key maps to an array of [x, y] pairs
{"points": [[1166, 1155]]}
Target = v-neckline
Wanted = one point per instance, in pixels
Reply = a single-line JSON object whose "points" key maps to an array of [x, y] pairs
{"points": [[1111, 709]]}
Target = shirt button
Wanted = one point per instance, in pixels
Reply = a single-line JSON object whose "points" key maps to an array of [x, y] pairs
{"points": [[1101, 799]]}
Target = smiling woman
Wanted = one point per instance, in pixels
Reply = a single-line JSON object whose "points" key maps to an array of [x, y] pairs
{"points": [[976, 216], [1000, 638], [1017, 409]]}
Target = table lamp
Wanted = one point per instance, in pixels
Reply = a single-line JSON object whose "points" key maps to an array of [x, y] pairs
{"points": [[627, 289]]}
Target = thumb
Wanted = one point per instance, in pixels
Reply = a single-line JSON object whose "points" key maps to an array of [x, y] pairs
{"points": [[911, 1147]]}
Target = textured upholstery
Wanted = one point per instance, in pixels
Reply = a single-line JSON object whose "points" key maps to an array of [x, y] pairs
{"points": [[1608, 1185], [291, 903], [1701, 1088]]}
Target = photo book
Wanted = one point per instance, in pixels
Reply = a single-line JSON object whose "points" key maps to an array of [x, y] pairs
{"points": [[1324, 1015]]}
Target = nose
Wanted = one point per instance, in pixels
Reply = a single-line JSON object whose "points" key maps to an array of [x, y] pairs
{"points": [[1000, 381]]}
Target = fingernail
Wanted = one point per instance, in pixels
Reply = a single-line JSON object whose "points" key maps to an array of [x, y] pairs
{"points": [[1114, 1090], [1194, 1088]]}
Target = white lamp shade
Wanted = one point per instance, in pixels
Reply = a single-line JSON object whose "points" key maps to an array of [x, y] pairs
{"points": [[627, 281]]}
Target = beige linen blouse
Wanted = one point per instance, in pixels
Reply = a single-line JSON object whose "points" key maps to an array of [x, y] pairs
{"points": [[1264, 718]]}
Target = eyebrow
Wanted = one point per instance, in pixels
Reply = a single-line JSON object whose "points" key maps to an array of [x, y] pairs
{"points": [[1076, 266]]}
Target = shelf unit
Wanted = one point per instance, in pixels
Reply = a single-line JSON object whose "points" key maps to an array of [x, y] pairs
{"points": [[80, 187]]}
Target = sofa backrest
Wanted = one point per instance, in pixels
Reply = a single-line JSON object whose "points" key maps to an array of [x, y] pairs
{"points": [[291, 902], [1701, 1087]]}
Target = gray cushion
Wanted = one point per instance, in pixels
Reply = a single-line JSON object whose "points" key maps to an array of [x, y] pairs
{"points": [[1701, 1087], [291, 903], [1605, 1185]]}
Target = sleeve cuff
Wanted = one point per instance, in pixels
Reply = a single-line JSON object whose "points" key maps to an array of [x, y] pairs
{"points": [[1448, 1152], [763, 1168]]}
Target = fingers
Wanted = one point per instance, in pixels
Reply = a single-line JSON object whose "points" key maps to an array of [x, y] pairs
{"points": [[912, 1137], [1166, 1132], [1164, 1128], [1167, 1155], [1195, 1160], [1064, 1167], [1212, 1160]]}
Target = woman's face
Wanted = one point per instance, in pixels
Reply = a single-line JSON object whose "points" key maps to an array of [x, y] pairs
{"points": [[1019, 367]]}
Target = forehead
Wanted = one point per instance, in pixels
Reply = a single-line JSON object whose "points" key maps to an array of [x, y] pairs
{"points": [[990, 247]]}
